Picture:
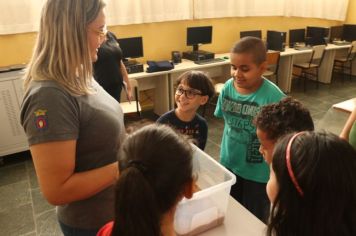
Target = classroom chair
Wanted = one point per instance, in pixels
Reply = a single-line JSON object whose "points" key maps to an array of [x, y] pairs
{"points": [[310, 70], [132, 107], [272, 66], [344, 64]]}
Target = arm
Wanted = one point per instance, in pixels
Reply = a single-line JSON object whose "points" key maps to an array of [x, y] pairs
{"points": [[203, 134], [54, 164], [218, 109], [126, 80], [346, 130]]}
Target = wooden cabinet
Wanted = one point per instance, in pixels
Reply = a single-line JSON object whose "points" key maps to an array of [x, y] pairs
{"points": [[12, 136]]}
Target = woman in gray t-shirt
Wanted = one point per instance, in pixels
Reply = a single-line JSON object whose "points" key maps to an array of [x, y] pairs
{"points": [[74, 128]]}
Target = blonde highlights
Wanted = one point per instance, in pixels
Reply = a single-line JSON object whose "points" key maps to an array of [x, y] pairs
{"points": [[62, 51]]}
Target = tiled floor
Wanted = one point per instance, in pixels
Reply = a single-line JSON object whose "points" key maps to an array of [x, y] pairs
{"points": [[23, 211]]}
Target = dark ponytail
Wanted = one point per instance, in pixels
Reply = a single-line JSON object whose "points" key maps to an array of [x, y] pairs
{"points": [[155, 166], [136, 207]]}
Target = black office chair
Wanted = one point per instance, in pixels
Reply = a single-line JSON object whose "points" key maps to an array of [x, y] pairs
{"points": [[344, 64], [310, 69]]}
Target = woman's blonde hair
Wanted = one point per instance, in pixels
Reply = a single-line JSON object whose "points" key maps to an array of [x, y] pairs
{"points": [[62, 51]]}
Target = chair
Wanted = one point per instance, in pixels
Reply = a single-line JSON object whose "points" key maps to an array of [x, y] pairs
{"points": [[310, 69], [344, 64], [272, 65], [133, 106]]}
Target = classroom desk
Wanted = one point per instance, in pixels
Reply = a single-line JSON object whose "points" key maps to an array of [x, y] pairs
{"points": [[158, 81], [164, 81], [238, 221], [286, 67], [218, 69], [346, 106], [291, 56], [335, 118]]}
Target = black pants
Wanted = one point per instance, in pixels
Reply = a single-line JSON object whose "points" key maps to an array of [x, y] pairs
{"points": [[253, 196], [115, 92]]}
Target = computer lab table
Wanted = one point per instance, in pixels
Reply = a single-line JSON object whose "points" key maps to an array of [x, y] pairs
{"points": [[238, 221], [291, 56], [164, 81]]}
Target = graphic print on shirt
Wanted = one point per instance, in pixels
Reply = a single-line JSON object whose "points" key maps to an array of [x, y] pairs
{"points": [[240, 128], [192, 132], [41, 119]]}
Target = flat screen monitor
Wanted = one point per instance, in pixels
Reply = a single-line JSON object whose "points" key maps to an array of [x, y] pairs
{"points": [[199, 35], [131, 47], [276, 40], [296, 36], [253, 33], [349, 32], [316, 35], [336, 32]]}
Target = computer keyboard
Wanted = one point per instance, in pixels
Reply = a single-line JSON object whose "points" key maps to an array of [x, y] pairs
{"points": [[341, 43], [209, 61], [302, 48]]}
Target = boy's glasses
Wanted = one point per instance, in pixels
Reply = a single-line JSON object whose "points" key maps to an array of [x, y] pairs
{"points": [[189, 93]]}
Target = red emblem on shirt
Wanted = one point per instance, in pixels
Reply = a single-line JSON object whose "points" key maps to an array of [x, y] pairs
{"points": [[41, 120]]}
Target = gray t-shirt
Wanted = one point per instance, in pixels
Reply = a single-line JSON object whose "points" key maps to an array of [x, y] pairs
{"points": [[50, 113]]}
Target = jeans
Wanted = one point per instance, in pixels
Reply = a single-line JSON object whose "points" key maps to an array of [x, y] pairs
{"points": [[71, 231]]}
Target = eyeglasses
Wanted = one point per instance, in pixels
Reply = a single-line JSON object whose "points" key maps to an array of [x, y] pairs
{"points": [[101, 33], [189, 93]]}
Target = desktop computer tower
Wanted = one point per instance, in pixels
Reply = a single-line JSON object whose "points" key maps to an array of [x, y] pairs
{"points": [[198, 55], [276, 40]]}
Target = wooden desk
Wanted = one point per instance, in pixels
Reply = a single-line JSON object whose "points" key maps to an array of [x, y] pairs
{"points": [[238, 221]]}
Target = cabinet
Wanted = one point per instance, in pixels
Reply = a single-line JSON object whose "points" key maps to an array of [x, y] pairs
{"points": [[12, 136]]}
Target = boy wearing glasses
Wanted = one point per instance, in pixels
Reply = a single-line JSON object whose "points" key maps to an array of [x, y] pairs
{"points": [[239, 102], [194, 89]]}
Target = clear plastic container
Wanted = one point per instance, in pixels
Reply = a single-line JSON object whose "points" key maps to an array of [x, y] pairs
{"points": [[207, 208]]}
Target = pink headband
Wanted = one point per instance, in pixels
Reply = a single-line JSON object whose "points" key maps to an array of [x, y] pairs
{"points": [[289, 166]]}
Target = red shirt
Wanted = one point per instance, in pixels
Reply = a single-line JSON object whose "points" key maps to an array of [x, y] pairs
{"points": [[106, 229]]}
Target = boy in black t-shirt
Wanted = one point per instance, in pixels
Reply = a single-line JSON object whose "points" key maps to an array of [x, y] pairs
{"points": [[194, 89]]}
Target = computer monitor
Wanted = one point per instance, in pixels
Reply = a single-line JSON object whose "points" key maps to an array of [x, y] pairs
{"points": [[336, 32], [316, 35], [199, 35], [296, 36], [276, 40], [253, 33], [131, 47], [349, 32]]}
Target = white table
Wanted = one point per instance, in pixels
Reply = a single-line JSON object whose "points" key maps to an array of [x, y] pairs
{"points": [[335, 118], [163, 81], [218, 69], [326, 68], [238, 221]]}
